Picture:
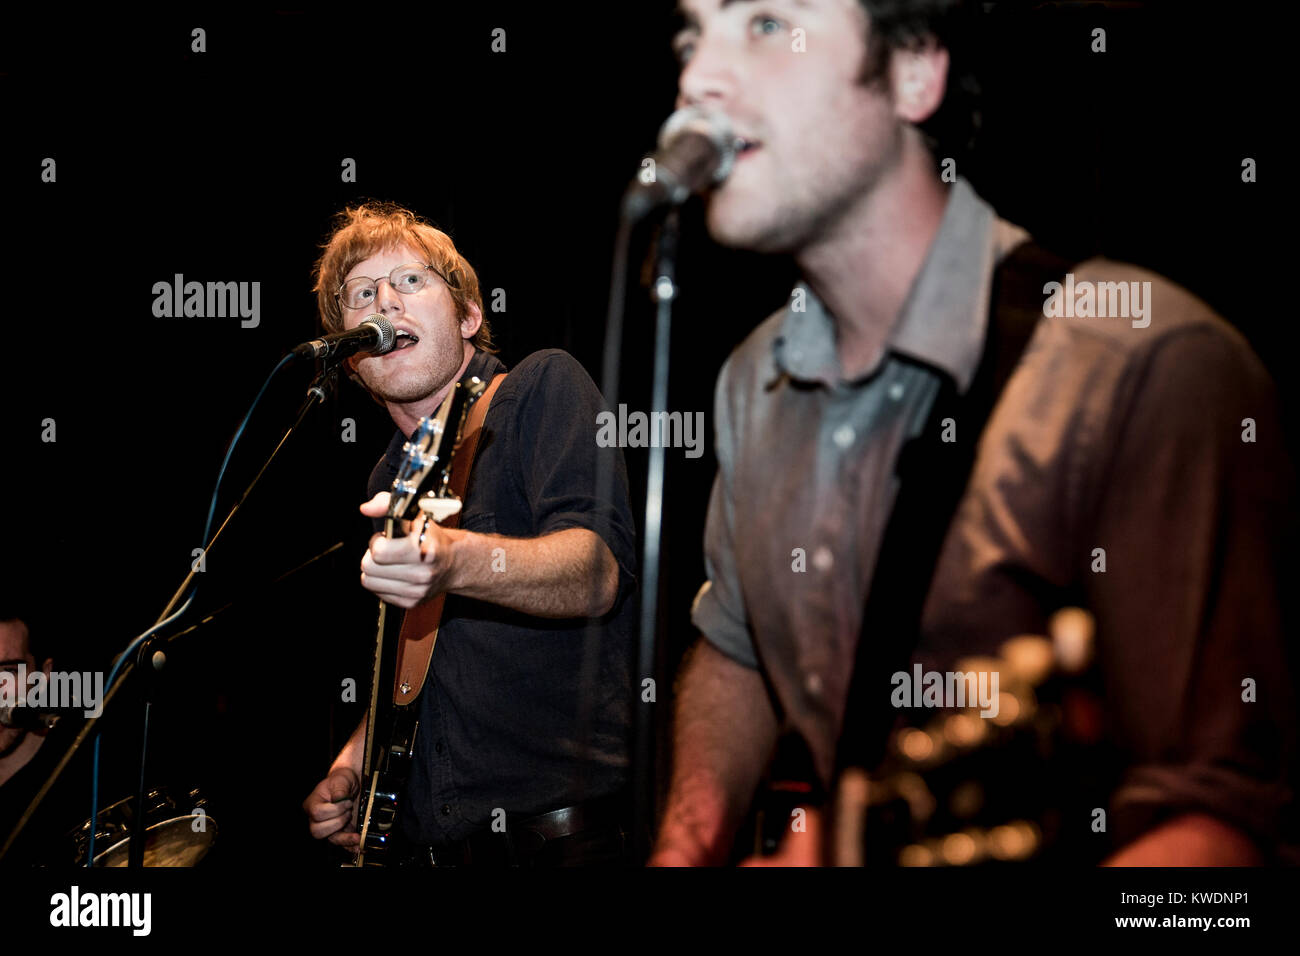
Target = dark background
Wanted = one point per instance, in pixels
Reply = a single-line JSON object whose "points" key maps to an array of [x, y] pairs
{"points": [[225, 166]]}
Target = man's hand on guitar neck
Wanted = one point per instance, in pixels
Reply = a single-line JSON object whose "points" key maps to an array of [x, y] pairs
{"points": [[569, 573]]}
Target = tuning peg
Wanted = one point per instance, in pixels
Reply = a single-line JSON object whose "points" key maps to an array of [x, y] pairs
{"points": [[964, 730], [1029, 658], [916, 854], [916, 745], [956, 849], [1012, 708], [1073, 633], [1018, 840], [964, 848]]}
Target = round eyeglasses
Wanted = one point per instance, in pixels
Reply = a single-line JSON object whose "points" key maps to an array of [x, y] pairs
{"points": [[359, 292]]}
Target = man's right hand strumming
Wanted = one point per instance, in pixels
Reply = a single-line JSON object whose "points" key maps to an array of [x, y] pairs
{"points": [[331, 806]]}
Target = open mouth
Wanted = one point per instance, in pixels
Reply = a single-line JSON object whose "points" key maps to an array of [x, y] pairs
{"points": [[404, 340]]}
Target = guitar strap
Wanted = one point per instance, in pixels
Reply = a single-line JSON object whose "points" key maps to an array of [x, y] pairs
{"points": [[933, 476], [420, 624]]}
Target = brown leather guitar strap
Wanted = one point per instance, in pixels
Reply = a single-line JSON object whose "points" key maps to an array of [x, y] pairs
{"points": [[420, 624]]}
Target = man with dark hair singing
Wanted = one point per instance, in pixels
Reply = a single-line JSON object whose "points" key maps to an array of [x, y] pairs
{"points": [[1147, 432]]}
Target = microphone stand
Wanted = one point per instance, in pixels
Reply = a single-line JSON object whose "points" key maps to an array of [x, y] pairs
{"points": [[317, 392], [663, 292], [321, 385]]}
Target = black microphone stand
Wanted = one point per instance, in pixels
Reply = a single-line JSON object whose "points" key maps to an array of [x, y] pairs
{"points": [[663, 291], [317, 392]]}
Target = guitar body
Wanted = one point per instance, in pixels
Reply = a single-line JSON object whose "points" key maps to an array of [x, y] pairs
{"points": [[392, 754], [423, 483]]}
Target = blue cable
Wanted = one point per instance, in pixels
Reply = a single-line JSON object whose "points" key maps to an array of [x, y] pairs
{"points": [[212, 507]]}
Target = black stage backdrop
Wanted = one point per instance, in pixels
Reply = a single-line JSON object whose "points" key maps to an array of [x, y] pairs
{"points": [[227, 165]]}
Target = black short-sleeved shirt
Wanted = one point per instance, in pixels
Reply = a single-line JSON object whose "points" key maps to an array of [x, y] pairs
{"points": [[501, 714]]}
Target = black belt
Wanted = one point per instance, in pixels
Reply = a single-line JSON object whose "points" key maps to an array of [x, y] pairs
{"points": [[602, 824]]}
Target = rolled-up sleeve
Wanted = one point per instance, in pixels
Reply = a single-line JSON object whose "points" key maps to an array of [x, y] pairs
{"points": [[562, 463], [1194, 515], [719, 608]]}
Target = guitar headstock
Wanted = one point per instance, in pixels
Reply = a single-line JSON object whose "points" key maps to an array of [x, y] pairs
{"points": [[997, 781], [423, 479]]}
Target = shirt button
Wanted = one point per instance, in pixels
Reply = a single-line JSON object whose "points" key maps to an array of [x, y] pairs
{"points": [[812, 683], [446, 809], [823, 560], [844, 436], [896, 391], [438, 747]]}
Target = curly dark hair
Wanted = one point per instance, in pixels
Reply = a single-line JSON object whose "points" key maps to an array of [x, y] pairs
{"points": [[916, 24]]}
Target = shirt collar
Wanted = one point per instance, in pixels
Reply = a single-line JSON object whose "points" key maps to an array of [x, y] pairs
{"points": [[483, 364], [943, 318]]}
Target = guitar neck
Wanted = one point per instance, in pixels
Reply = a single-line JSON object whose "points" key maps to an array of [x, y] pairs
{"points": [[425, 473], [369, 761], [372, 711]]}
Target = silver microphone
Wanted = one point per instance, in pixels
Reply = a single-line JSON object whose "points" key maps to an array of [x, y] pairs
{"points": [[375, 334], [696, 150]]}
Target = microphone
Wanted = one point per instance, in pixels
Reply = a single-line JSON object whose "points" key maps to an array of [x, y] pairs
{"points": [[375, 334], [696, 150], [27, 718]]}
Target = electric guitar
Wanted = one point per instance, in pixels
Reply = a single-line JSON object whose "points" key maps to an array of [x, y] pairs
{"points": [[423, 483], [968, 785]]}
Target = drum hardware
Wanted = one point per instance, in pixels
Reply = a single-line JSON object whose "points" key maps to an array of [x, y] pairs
{"points": [[176, 833]]}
